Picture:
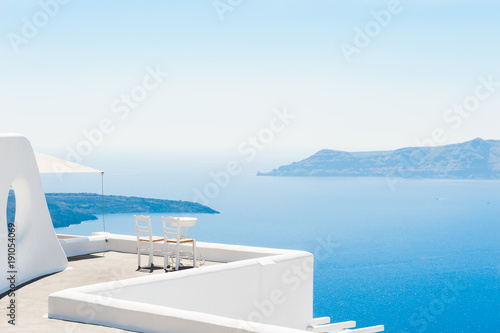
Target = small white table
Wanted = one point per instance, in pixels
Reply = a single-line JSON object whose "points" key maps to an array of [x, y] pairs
{"points": [[183, 223]]}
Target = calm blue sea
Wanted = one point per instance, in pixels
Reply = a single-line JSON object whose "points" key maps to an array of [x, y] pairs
{"points": [[422, 257]]}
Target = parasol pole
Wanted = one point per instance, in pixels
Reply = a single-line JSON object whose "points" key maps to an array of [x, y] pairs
{"points": [[102, 195]]}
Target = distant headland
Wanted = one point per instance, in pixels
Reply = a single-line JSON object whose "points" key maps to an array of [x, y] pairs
{"points": [[74, 208], [476, 159]]}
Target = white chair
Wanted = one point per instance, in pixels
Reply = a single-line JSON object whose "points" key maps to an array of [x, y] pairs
{"points": [[175, 234], [145, 239]]}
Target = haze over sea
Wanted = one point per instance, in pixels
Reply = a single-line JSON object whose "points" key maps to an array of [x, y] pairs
{"points": [[422, 257]]}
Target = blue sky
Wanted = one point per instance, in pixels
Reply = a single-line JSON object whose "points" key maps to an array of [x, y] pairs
{"points": [[225, 77]]}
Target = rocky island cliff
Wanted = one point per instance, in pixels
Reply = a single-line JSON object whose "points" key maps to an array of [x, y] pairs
{"points": [[73, 208], [476, 159]]}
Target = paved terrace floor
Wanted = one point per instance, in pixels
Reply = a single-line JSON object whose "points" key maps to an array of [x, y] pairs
{"points": [[32, 298]]}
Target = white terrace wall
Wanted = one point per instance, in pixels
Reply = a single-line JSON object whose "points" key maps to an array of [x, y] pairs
{"points": [[273, 288]]}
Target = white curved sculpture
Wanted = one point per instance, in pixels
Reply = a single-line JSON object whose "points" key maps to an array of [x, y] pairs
{"points": [[37, 250]]}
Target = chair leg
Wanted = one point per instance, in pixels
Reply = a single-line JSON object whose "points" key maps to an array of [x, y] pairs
{"points": [[165, 256], [194, 254], [151, 256], [138, 257], [178, 256]]}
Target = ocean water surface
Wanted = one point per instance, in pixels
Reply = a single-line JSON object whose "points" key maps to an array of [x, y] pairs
{"points": [[420, 257]]}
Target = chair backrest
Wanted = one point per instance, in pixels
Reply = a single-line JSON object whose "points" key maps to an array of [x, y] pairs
{"points": [[143, 227], [169, 231]]}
